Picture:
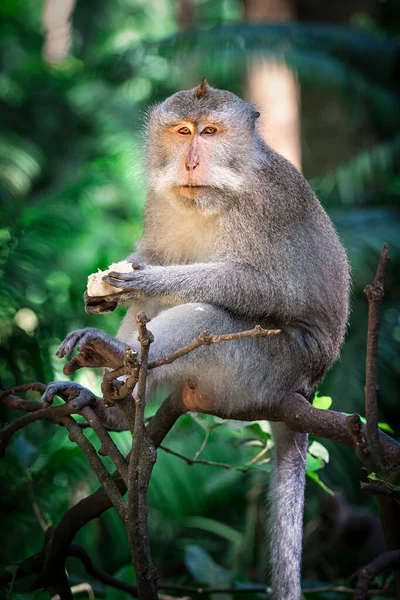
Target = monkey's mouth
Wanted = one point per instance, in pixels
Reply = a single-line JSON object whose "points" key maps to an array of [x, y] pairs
{"points": [[192, 191], [193, 185]]}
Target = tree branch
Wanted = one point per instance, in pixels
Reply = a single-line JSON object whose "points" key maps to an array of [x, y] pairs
{"points": [[200, 461], [60, 537], [368, 573], [108, 448], [79, 552], [142, 459], [206, 339], [374, 292], [106, 480], [35, 386], [377, 489]]}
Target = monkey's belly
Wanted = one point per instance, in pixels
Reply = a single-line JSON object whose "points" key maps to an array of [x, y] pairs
{"points": [[127, 332]]}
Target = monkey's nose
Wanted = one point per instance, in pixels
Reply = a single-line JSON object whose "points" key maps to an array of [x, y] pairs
{"points": [[191, 165]]}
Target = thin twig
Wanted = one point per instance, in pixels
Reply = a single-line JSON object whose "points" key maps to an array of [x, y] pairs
{"points": [[200, 461], [378, 489], [35, 386], [257, 588], [206, 339], [367, 574], [374, 292], [108, 447], [91, 569], [206, 438], [76, 435], [48, 413], [17, 403]]}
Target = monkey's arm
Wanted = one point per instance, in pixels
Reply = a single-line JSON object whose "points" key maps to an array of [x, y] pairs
{"points": [[231, 285]]}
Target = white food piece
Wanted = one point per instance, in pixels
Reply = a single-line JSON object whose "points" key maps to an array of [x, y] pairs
{"points": [[97, 287]]}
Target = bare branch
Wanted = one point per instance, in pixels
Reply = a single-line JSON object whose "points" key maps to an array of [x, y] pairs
{"points": [[108, 448], [200, 461], [302, 416], [199, 591], [374, 292], [76, 435], [378, 489], [367, 574], [49, 413], [18, 404], [206, 339], [35, 386], [91, 569], [142, 459]]}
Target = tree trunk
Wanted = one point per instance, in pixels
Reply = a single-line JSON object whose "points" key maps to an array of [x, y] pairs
{"points": [[273, 87]]}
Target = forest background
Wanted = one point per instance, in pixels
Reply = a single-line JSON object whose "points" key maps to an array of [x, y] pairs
{"points": [[72, 192]]}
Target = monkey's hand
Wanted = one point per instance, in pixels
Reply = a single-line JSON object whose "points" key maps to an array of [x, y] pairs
{"points": [[95, 349], [77, 395], [131, 284], [99, 304]]}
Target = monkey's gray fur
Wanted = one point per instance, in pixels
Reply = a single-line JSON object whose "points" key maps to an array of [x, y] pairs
{"points": [[249, 244]]}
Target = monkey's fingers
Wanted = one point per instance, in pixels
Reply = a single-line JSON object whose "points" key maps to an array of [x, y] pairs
{"points": [[78, 362], [97, 305], [69, 392], [57, 388], [123, 281], [66, 347]]}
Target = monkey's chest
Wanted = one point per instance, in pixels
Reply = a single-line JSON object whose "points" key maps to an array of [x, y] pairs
{"points": [[186, 244]]}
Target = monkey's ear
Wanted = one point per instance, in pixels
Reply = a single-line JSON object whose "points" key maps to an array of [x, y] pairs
{"points": [[256, 114], [202, 88]]}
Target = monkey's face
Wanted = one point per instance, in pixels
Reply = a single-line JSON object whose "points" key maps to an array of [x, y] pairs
{"points": [[200, 147]]}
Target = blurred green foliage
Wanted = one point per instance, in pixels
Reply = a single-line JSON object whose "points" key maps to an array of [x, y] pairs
{"points": [[72, 192]]}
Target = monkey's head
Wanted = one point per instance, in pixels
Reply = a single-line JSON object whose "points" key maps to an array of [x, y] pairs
{"points": [[201, 145]]}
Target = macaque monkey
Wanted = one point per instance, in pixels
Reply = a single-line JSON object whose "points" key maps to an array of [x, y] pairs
{"points": [[234, 236]]}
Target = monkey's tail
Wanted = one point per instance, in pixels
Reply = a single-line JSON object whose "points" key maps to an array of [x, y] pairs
{"points": [[286, 512]]}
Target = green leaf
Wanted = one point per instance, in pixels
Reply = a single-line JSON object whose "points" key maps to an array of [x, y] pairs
{"points": [[386, 427], [321, 484], [322, 402], [314, 464], [317, 450]]}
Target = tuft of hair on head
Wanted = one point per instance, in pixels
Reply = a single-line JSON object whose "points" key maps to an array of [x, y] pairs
{"points": [[202, 88]]}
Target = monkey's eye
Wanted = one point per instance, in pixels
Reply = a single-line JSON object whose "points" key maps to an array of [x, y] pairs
{"points": [[184, 131], [209, 130]]}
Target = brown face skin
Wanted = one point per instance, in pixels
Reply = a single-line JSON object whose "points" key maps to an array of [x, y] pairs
{"points": [[193, 142]]}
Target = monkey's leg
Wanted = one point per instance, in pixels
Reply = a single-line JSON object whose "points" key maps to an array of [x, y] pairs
{"points": [[214, 368], [286, 511], [240, 376]]}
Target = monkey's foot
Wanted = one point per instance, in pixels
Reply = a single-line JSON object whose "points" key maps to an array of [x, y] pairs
{"points": [[76, 394], [95, 349]]}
